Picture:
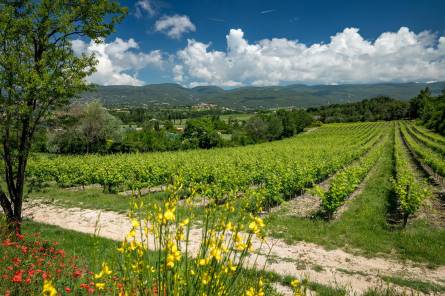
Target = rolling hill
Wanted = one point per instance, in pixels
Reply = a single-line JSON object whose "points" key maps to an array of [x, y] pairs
{"points": [[255, 97]]}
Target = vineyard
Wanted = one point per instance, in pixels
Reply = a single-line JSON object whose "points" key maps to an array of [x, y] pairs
{"points": [[343, 154], [279, 169], [375, 188]]}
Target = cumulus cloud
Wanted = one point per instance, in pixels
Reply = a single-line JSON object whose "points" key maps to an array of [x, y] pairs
{"points": [[348, 58], [144, 7], [175, 26], [118, 61]]}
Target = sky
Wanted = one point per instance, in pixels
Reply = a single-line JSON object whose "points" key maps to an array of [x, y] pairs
{"points": [[261, 43]]}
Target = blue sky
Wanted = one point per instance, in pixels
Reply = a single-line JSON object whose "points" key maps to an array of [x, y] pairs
{"points": [[274, 42]]}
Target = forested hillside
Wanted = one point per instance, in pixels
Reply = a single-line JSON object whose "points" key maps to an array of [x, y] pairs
{"points": [[296, 95]]}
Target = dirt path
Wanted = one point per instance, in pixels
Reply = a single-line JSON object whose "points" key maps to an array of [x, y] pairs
{"points": [[333, 267]]}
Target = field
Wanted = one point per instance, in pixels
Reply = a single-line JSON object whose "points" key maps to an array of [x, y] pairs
{"points": [[348, 208]]}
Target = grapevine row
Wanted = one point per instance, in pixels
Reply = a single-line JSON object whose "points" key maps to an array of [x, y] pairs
{"points": [[408, 190], [425, 141], [425, 155], [430, 135], [346, 181]]}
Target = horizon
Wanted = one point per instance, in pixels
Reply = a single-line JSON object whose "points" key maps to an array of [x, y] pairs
{"points": [[263, 43], [266, 86]]}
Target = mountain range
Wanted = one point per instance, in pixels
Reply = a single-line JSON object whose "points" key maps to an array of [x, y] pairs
{"points": [[296, 95]]}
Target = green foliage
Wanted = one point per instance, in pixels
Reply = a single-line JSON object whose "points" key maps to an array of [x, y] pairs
{"points": [[202, 132], [408, 190], [429, 109], [276, 167], [379, 108], [91, 129], [423, 153], [347, 180], [40, 72]]}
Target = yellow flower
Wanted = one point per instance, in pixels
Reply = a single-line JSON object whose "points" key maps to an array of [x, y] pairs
{"points": [[48, 289], [173, 256], [205, 279], [184, 222], [215, 253], [169, 215], [100, 286], [202, 262], [135, 223], [295, 283], [105, 271], [250, 292], [131, 234], [229, 226]]}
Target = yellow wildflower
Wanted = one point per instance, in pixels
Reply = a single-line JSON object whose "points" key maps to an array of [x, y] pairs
{"points": [[135, 223], [131, 234], [48, 289], [295, 283], [185, 222]]}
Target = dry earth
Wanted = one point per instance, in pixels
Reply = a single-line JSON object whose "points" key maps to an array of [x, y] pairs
{"points": [[328, 267]]}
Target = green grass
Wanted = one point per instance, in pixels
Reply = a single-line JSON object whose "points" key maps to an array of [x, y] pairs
{"points": [[91, 250], [364, 225], [415, 284], [243, 116], [89, 198]]}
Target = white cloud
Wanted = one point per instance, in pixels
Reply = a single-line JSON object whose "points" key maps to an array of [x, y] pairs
{"points": [[174, 26], [144, 7], [348, 58], [118, 63]]}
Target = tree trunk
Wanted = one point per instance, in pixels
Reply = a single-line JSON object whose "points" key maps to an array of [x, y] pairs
{"points": [[13, 217], [405, 220]]}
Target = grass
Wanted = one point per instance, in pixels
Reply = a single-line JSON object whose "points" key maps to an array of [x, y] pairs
{"points": [[424, 287], [91, 250], [364, 225], [88, 198]]}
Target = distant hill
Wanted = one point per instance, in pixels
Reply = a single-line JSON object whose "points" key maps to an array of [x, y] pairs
{"points": [[256, 97]]}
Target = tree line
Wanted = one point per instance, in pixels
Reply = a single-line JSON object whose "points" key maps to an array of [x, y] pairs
{"points": [[91, 128]]}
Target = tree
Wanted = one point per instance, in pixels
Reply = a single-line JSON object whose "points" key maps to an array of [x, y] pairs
{"points": [[91, 129], [40, 72]]}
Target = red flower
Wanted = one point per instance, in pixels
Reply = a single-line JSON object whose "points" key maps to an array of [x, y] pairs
{"points": [[16, 261], [17, 278], [24, 250], [77, 273], [68, 290], [28, 280], [8, 293], [20, 236], [84, 286], [8, 243]]}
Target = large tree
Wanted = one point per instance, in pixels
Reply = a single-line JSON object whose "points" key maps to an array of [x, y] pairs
{"points": [[40, 72]]}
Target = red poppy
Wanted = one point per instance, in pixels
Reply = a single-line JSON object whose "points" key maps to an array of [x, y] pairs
{"points": [[77, 273], [17, 278], [68, 290]]}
